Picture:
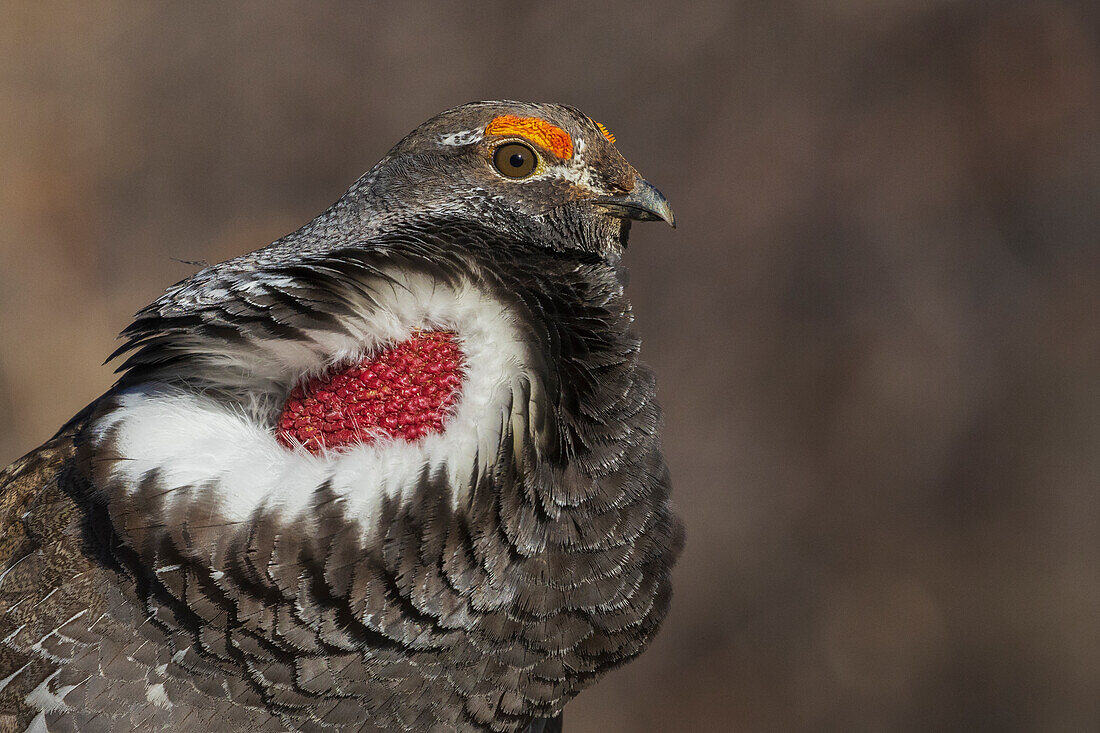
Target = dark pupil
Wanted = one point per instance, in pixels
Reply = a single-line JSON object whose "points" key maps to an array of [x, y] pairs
{"points": [[517, 160]]}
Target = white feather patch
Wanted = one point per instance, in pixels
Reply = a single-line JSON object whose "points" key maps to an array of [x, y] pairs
{"points": [[4, 682], [157, 695], [462, 137], [196, 441], [574, 170], [47, 700]]}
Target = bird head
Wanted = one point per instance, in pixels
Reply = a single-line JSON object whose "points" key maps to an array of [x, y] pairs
{"points": [[545, 172]]}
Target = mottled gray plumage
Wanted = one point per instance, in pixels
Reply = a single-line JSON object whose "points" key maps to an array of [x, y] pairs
{"points": [[133, 605]]}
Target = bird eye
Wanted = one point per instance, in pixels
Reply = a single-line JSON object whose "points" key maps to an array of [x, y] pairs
{"points": [[515, 160]]}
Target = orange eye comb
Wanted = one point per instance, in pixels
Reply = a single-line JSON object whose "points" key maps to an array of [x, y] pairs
{"points": [[540, 132], [606, 132]]}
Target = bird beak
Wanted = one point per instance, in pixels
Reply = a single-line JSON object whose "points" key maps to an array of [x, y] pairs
{"points": [[644, 203]]}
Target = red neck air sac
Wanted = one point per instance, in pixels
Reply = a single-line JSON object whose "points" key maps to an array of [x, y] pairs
{"points": [[404, 391]]}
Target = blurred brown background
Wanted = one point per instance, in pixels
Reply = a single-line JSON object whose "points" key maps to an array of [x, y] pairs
{"points": [[876, 328]]}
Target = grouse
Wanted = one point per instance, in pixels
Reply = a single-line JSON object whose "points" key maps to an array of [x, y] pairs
{"points": [[399, 470]]}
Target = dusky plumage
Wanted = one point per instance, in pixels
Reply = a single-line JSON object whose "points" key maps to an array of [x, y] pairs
{"points": [[224, 541]]}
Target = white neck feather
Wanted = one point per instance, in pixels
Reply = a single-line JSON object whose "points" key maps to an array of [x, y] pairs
{"points": [[196, 441]]}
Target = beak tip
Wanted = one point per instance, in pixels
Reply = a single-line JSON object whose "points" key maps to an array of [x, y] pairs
{"points": [[644, 203]]}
